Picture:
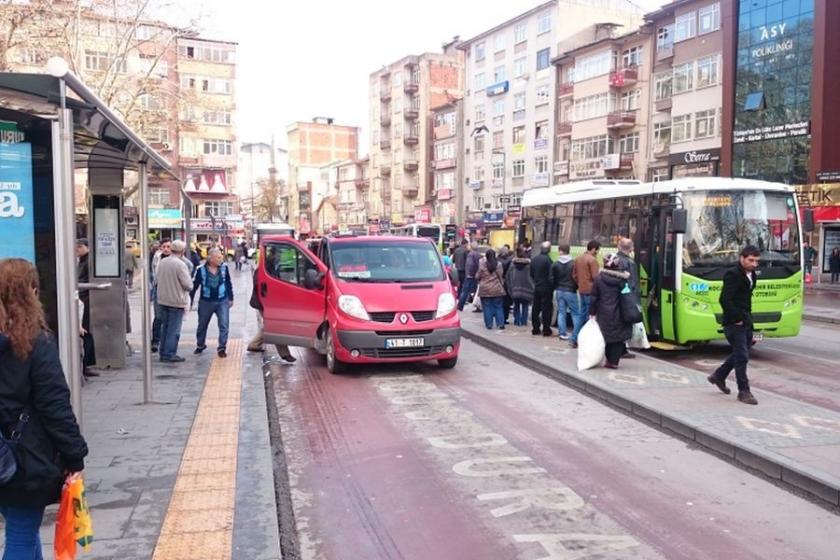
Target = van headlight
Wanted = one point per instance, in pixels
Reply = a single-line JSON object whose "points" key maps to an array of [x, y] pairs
{"points": [[353, 307], [446, 305]]}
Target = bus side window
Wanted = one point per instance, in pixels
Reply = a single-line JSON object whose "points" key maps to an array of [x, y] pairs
{"points": [[670, 254]]}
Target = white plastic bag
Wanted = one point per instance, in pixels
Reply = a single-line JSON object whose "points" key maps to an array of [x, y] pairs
{"points": [[639, 340], [591, 346], [476, 301]]}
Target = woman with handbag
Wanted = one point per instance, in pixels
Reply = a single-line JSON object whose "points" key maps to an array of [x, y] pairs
{"points": [[36, 419], [605, 307]]}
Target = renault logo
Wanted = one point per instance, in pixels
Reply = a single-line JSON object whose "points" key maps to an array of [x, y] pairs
{"points": [[403, 318]]}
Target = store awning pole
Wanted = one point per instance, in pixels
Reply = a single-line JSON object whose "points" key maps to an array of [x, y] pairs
{"points": [[145, 285]]}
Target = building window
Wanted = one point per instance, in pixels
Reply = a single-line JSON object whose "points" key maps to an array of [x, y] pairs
{"points": [[188, 146], [479, 113], [544, 23], [99, 61], [685, 26], [665, 38], [157, 135], [217, 117], [214, 146], [158, 197], [499, 42], [478, 50], [478, 173], [520, 33], [445, 151], [632, 57], [593, 65], [628, 143], [518, 168], [662, 85], [709, 17], [498, 171], [520, 67], [593, 106], [541, 164], [592, 147], [754, 101], [519, 106], [478, 147], [479, 81], [543, 94], [661, 134], [543, 59], [704, 124], [498, 139], [681, 128], [659, 174], [541, 130], [498, 74], [708, 71], [518, 134], [478, 202], [218, 208], [683, 78], [150, 102], [499, 108], [630, 100]]}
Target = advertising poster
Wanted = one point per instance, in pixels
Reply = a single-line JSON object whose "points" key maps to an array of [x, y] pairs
{"points": [[17, 221], [106, 244], [831, 239]]}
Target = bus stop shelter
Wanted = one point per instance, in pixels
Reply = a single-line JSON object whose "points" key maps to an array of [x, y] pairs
{"points": [[51, 125]]}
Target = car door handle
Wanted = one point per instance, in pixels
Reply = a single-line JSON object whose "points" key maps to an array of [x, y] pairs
{"points": [[263, 289]]}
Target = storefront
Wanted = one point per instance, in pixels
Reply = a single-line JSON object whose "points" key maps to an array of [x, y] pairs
{"points": [[824, 200], [165, 223], [695, 163]]}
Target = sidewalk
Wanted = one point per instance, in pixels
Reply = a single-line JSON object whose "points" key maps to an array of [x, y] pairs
{"points": [[822, 314], [137, 460], [786, 439]]}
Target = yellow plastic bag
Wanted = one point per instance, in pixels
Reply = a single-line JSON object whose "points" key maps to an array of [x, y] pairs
{"points": [[73, 523]]}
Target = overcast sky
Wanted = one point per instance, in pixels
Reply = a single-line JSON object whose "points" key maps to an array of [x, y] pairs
{"points": [[300, 59]]}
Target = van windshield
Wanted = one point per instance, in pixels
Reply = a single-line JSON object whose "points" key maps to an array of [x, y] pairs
{"points": [[386, 262]]}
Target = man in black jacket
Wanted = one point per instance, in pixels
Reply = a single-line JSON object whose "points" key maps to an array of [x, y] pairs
{"points": [[565, 291], [459, 259], [543, 289], [736, 301]]}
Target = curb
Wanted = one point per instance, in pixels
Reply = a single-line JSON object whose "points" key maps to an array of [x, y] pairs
{"points": [[741, 453], [820, 319]]}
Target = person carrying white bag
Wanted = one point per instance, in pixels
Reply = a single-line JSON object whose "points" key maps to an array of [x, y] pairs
{"points": [[591, 346]]}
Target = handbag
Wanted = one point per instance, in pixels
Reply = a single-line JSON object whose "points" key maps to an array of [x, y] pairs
{"points": [[8, 461], [630, 306]]}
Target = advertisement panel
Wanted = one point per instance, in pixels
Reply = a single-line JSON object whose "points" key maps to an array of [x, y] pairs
{"points": [[164, 218], [17, 221]]}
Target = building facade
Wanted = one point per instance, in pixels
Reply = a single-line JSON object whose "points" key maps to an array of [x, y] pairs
{"points": [[314, 147], [447, 163], [353, 186], [403, 96]]}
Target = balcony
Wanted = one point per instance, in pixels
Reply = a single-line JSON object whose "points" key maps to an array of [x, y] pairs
{"points": [[385, 93], [410, 191], [663, 105], [664, 52], [384, 144], [621, 119], [444, 163], [565, 89], [410, 165], [564, 129], [561, 167], [624, 77], [661, 151], [411, 137], [411, 113], [411, 87], [385, 119], [362, 183]]}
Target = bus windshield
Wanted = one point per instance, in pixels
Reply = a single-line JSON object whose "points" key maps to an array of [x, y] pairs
{"points": [[431, 232], [386, 262], [721, 223]]}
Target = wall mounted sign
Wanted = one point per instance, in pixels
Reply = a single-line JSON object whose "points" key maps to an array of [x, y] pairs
{"points": [[772, 132], [17, 220]]}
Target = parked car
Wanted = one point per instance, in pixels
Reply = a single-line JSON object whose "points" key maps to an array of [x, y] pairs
{"points": [[361, 300]]}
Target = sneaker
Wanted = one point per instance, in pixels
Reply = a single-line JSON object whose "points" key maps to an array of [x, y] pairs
{"points": [[746, 397], [199, 349], [501, 327], [564, 337], [221, 353], [719, 383], [573, 344], [173, 360]]}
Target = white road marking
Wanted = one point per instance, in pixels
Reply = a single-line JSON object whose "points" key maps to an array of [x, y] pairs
{"points": [[817, 423], [464, 442], [468, 467], [766, 426], [670, 377], [557, 499], [572, 546], [627, 378]]}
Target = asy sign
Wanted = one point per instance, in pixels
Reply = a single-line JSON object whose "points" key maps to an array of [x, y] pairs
{"points": [[17, 222]]}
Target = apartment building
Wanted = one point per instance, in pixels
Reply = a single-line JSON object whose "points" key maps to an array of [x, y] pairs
{"points": [[603, 107], [403, 96], [353, 185], [447, 162], [314, 148], [685, 127]]}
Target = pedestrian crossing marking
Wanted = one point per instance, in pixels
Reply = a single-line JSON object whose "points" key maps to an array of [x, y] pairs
{"points": [[768, 427]]}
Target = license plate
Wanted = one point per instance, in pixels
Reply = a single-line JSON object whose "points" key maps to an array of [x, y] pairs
{"points": [[758, 337], [404, 342]]}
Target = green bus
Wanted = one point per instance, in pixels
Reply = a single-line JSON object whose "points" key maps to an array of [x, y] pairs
{"points": [[686, 233]]}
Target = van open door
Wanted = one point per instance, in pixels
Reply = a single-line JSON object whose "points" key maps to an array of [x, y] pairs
{"points": [[290, 284]]}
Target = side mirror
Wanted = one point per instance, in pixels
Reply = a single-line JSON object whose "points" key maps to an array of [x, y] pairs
{"points": [[808, 224], [312, 280], [679, 220]]}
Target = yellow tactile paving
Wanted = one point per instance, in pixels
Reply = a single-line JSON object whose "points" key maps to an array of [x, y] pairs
{"points": [[199, 520]]}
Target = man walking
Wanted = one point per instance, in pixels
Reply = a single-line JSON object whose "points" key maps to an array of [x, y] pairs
{"points": [[541, 273], [212, 281], [130, 265], [164, 250], [469, 285], [736, 301], [809, 255], [173, 298], [506, 257], [459, 259], [585, 272], [565, 291], [83, 277]]}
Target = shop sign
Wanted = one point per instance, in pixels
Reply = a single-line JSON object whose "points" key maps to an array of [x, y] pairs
{"points": [[17, 222], [475, 224], [497, 89], [828, 176], [444, 194], [820, 194], [694, 156], [514, 209], [518, 149], [164, 218], [475, 185], [541, 143], [494, 218], [540, 180], [592, 168], [561, 167], [423, 215], [9, 133], [772, 132]]}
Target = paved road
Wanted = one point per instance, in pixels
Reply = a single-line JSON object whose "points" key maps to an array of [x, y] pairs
{"points": [[491, 460]]}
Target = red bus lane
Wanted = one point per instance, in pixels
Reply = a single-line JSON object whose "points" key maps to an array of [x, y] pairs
{"points": [[492, 460]]}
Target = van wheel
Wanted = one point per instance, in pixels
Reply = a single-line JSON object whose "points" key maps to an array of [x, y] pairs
{"points": [[334, 365], [447, 363]]}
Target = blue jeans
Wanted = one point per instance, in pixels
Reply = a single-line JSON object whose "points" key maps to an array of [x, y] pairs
{"points": [[467, 287], [206, 310], [520, 312], [156, 324], [23, 542], [170, 331], [583, 315], [493, 309], [740, 338], [567, 301]]}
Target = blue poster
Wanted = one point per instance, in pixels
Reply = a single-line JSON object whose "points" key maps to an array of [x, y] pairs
{"points": [[17, 221]]}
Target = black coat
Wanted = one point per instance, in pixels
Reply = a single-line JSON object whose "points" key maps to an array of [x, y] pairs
{"points": [[51, 442], [736, 296], [459, 257], [834, 263], [561, 275], [606, 305], [627, 264], [518, 280], [541, 273]]}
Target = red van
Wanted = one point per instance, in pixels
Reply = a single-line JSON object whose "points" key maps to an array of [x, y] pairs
{"points": [[360, 300]]}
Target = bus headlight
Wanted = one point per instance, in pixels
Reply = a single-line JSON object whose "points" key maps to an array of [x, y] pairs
{"points": [[446, 305], [353, 307]]}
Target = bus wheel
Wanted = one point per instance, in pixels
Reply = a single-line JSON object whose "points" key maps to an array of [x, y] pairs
{"points": [[447, 363], [334, 365]]}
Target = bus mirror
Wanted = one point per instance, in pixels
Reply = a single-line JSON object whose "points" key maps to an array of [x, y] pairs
{"points": [[679, 220], [808, 222]]}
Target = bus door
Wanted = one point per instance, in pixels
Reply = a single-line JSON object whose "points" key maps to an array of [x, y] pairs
{"points": [[656, 259]]}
